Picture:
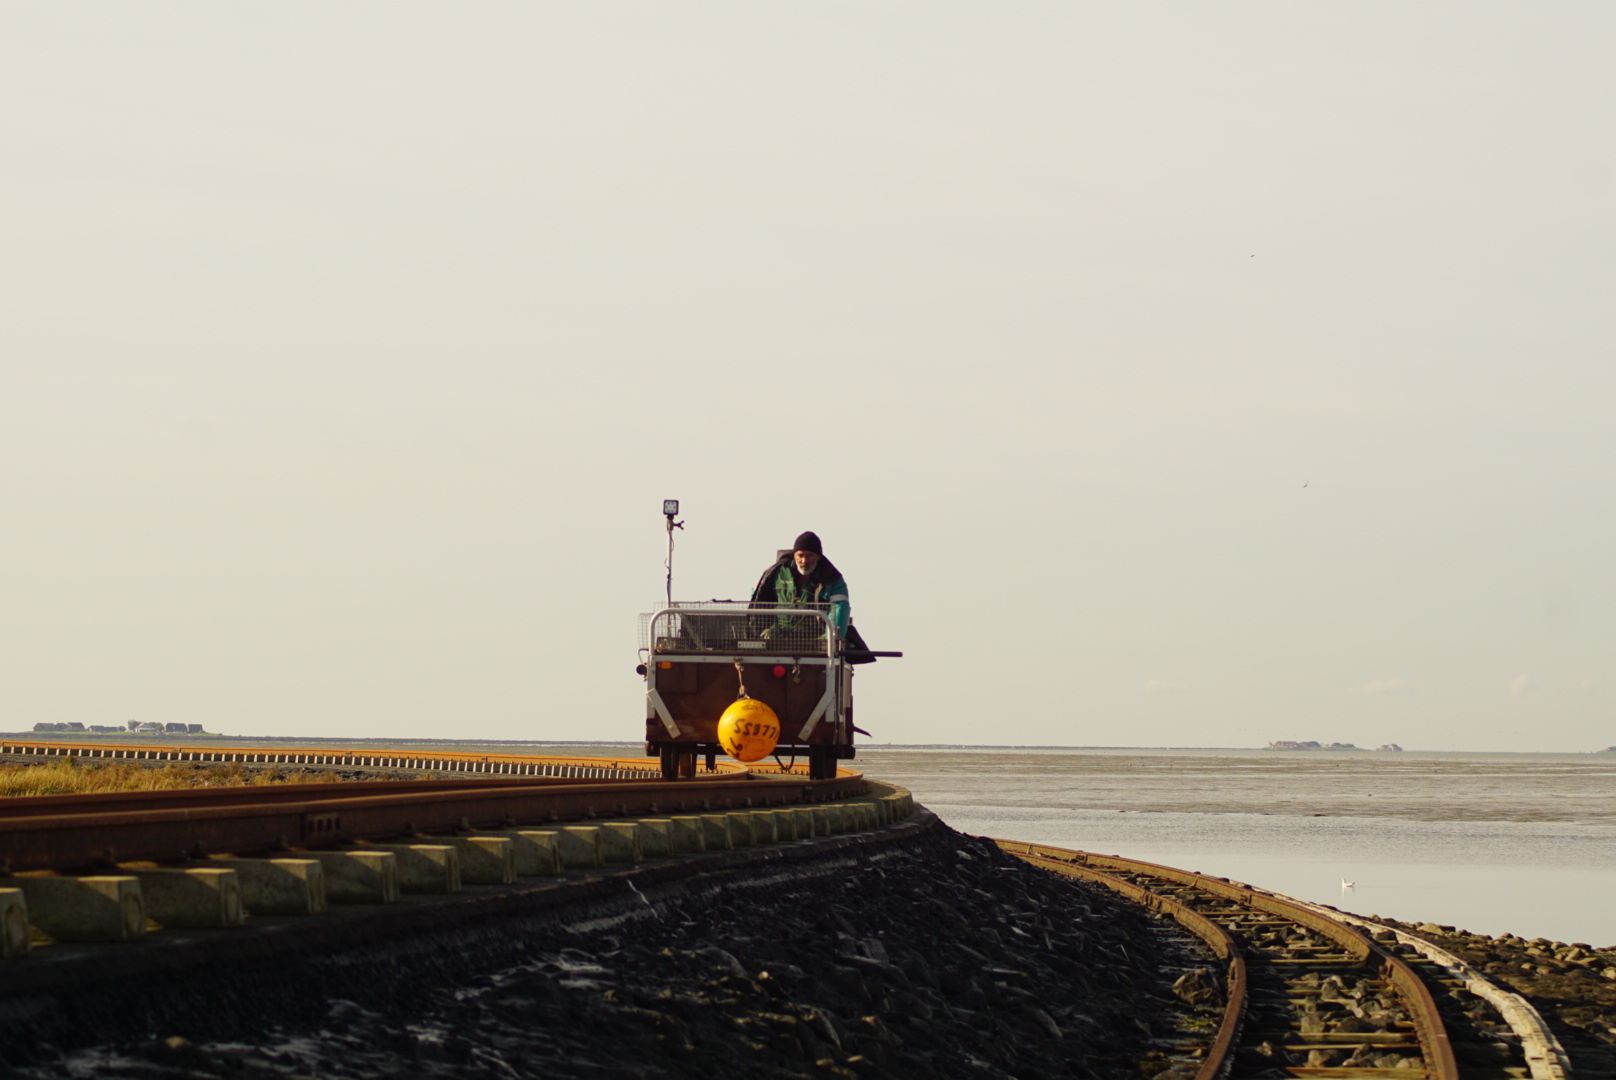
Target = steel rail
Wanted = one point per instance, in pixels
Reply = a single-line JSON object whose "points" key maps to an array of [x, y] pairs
{"points": [[1431, 1034], [1221, 1054], [82, 832], [1546, 1058], [572, 767], [268, 794]]}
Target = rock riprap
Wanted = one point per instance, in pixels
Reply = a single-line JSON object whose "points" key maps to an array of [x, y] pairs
{"points": [[939, 957], [1573, 986]]}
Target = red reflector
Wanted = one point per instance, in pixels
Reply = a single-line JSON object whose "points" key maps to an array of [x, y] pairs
{"points": [[779, 671]]}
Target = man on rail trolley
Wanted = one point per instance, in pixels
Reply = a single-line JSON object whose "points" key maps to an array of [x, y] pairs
{"points": [[804, 576]]}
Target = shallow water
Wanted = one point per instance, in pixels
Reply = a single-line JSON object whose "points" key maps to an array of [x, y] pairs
{"points": [[1493, 843], [1524, 843]]}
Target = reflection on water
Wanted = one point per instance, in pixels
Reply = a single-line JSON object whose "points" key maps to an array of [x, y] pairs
{"points": [[1467, 874], [1430, 787], [1488, 842]]}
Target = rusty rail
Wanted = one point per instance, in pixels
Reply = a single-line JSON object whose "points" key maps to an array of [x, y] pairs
{"points": [[269, 794], [1216, 938], [567, 766], [1436, 1050], [79, 832], [1423, 1011]]}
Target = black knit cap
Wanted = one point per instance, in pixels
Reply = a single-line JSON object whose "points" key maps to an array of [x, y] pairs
{"points": [[808, 542]]}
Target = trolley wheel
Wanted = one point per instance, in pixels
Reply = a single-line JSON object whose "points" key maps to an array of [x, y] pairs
{"points": [[677, 761], [821, 763]]}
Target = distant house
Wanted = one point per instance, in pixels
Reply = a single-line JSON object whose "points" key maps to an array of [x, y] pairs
{"points": [[149, 728], [174, 729], [1388, 746], [194, 729], [47, 726]]}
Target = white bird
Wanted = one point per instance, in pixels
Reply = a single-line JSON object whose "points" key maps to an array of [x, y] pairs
{"points": [[1345, 884]]}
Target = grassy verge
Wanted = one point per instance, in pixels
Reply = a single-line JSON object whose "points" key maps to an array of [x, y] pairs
{"points": [[65, 776]]}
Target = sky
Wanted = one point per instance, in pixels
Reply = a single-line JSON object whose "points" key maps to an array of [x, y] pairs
{"points": [[1157, 374]]}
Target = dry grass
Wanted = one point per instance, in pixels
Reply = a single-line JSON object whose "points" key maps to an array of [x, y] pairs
{"points": [[65, 776]]}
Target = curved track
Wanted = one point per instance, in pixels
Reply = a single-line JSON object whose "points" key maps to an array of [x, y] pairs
{"points": [[576, 768], [1305, 993], [106, 866], [82, 832]]}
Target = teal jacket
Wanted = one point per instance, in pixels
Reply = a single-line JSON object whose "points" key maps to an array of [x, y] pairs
{"points": [[781, 584]]}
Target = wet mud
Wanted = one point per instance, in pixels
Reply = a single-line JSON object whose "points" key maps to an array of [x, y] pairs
{"points": [[939, 957]]}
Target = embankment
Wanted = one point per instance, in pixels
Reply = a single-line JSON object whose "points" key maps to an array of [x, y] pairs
{"points": [[911, 952]]}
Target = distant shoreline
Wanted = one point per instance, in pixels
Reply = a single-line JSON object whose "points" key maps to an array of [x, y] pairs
{"points": [[103, 736]]}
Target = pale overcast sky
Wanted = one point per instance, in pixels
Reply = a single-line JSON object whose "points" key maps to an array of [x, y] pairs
{"points": [[1157, 374]]}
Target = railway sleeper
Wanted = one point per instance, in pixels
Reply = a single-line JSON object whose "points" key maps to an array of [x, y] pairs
{"points": [[1348, 1072], [227, 890], [192, 898], [1334, 1019], [1482, 1017], [1321, 1041], [290, 886], [424, 868], [1262, 1034]]}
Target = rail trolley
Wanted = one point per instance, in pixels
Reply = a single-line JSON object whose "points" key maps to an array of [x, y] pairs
{"points": [[698, 658]]}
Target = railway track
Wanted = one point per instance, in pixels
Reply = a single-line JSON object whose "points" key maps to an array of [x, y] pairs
{"points": [[1299, 990], [110, 867], [435, 761], [1291, 989]]}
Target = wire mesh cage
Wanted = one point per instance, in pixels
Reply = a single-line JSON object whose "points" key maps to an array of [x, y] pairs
{"points": [[736, 627]]}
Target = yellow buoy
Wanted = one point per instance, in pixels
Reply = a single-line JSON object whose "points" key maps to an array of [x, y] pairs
{"points": [[748, 730]]}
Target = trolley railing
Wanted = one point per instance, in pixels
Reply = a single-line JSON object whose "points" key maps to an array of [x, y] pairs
{"points": [[741, 629]]}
